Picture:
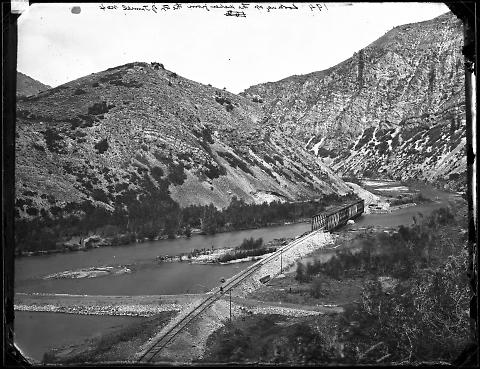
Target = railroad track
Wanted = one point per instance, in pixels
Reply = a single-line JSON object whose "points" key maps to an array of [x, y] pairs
{"points": [[213, 296]]}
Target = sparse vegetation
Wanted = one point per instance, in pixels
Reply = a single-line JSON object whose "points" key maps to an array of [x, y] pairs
{"points": [[240, 254], [100, 108], [270, 339], [79, 91], [101, 146], [214, 171], [54, 141], [251, 244], [234, 161], [419, 198], [177, 173]]}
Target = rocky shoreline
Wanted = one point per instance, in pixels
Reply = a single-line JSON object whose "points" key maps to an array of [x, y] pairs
{"points": [[92, 272], [139, 306], [214, 256]]}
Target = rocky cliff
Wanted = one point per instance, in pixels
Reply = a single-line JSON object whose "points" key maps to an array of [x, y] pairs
{"points": [[139, 131], [27, 86], [395, 107]]}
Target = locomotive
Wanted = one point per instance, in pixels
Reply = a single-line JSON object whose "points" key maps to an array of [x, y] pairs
{"points": [[338, 216]]}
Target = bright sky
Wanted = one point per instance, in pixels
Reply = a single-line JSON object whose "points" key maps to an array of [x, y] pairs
{"points": [[57, 45]]}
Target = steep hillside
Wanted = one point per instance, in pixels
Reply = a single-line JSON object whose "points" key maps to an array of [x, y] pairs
{"points": [[27, 86], [139, 135], [408, 83]]}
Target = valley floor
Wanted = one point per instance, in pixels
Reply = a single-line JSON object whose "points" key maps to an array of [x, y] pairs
{"points": [[291, 321]]}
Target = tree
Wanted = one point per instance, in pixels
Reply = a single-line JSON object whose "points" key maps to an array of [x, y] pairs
{"points": [[301, 273], [172, 225], [208, 220]]}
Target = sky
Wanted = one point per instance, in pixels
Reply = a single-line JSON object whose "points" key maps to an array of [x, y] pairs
{"points": [[58, 43]]}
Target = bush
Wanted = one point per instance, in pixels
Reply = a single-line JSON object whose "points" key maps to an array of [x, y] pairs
{"points": [[156, 172], [157, 66], [251, 244], [131, 83], [101, 146], [38, 147], [54, 141], [177, 174], [234, 161], [79, 91], [213, 171], [317, 289], [301, 273], [240, 254], [99, 108]]}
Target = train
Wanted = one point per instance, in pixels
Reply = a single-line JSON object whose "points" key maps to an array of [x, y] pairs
{"points": [[338, 216]]}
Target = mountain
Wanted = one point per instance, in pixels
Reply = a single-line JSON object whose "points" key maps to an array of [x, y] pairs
{"points": [[395, 108], [139, 135], [27, 86]]}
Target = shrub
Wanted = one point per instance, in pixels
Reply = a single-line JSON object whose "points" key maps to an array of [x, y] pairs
{"points": [[79, 91], [250, 243], [213, 171], [32, 211], [131, 83], [156, 172], [301, 273], [317, 289], [177, 174], [100, 195], [38, 147], [240, 254], [99, 108], [157, 66], [234, 161], [101, 146], [54, 140]]}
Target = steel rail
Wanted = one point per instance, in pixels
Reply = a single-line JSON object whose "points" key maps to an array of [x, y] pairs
{"points": [[231, 283], [235, 280]]}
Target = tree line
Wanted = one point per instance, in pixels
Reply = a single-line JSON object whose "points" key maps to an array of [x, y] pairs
{"points": [[151, 215]]}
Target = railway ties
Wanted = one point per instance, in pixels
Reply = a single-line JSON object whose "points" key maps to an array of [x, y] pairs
{"points": [[209, 300]]}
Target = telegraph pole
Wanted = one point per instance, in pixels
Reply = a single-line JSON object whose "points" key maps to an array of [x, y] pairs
{"points": [[230, 291], [281, 261]]}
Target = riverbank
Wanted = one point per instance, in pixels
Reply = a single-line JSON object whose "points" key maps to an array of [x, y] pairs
{"points": [[145, 306], [380, 320], [97, 241], [226, 255]]}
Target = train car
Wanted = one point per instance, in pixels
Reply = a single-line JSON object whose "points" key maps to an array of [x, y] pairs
{"points": [[337, 217]]}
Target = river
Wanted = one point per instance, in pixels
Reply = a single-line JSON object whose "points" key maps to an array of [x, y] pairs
{"points": [[38, 332]]}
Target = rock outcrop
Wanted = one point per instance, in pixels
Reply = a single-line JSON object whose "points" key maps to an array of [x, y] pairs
{"points": [[395, 107]]}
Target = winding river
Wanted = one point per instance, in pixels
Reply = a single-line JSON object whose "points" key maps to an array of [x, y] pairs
{"points": [[37, 332]]}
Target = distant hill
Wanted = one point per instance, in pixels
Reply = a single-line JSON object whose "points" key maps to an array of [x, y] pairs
{"points": [[395, 108], [27, 86], [139, 135]]}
